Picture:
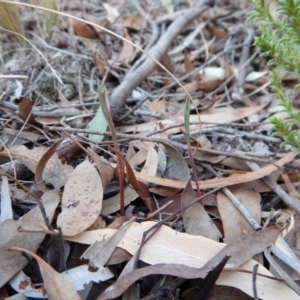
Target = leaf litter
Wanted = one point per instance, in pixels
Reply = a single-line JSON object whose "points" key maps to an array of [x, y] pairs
{"points": [[60, 192]]}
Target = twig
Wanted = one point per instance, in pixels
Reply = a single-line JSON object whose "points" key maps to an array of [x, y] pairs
{"points": [[72, 54], [44, 214], [231, 131], [158, 211], [159, 140], [36, 113], [132, 80], [80, 87], [286, 198], [254, 275], [243, 210], [133, 109]]}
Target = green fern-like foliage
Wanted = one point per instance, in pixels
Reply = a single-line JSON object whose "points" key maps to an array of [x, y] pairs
{"points": [[280, 39]]}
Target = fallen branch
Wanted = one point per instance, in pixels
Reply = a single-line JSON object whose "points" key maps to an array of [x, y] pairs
{"points": [[132, 80]]}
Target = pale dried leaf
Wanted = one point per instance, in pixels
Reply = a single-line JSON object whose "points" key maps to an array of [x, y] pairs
{"points": [[99, 253], [6, 212], [81, 200], [78, 277], [105, 170], [220, 182], [12, 262], [234, 223], [112, 12], [42, 163], [176, 254], [195, 219], [177, 167], [56, 285]]}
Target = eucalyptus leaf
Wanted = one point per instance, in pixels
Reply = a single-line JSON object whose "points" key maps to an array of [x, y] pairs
{"points": [[99, 122]]}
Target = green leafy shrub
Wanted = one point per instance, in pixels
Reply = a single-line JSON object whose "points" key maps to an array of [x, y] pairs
{"points": [[280, 39]]}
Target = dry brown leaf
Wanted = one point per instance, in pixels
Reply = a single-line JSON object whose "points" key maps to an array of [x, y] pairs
{"points": [[208, 83], [67, 149], [81, 200], [25, 112], [136, 22], [112, 204], [11, 262], [54, 172], [105, 170], [82, 29], [195, 219], [41, 165], [57, 287], [99, 253], [208, 157], [101, 65], [188, 65], [130, 151], [164, 191], [167, 62], [220, 182], [177, 254], [228, 72], [157, 106], [177, 167], [140, 187], [95, 21], [234, 223], [119, 255], [190, 87], [9, 134], [217, 32], [139, 158]]}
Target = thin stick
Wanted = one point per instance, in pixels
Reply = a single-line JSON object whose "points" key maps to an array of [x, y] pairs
{"points": [[286, 198], [254, 275], [158, 140], [243, 210]]}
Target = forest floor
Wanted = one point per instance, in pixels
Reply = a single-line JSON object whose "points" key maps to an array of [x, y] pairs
{"points": [[148, 174]]}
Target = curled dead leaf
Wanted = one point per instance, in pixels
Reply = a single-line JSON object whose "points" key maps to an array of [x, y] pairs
{"points": [[57, 286]]}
